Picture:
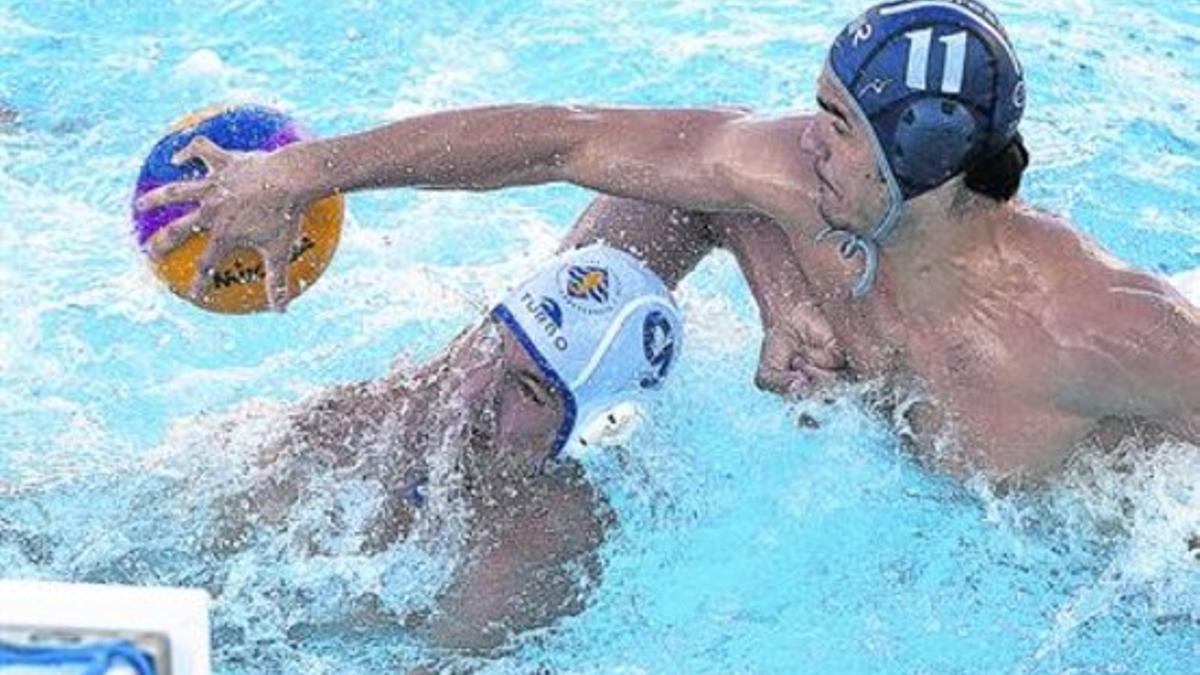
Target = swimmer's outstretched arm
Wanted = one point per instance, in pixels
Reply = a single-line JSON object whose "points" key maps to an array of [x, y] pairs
{"points": [[709, 160], [695, 159]]}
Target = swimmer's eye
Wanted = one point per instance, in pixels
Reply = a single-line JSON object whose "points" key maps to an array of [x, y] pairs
{"points": [[532, 389], [837, 117], [839, 127]]}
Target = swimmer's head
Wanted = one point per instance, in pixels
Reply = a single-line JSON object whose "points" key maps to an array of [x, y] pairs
{"points": [[598, 327], [913, 95]]}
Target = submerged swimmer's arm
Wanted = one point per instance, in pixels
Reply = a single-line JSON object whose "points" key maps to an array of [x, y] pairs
{"points": [[532, 558]]}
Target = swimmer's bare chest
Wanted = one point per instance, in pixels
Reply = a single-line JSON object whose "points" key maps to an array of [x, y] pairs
{"points": [[972, 381]]}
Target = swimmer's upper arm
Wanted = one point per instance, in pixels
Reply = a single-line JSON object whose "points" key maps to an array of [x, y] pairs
{"points": [[712, 160], [1139, 353]]}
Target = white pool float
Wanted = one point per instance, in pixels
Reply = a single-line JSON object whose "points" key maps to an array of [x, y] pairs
{"points": [[61, 624]]}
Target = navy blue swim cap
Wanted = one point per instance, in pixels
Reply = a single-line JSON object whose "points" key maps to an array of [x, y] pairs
{"points": [[938, 83], [937, 80]]}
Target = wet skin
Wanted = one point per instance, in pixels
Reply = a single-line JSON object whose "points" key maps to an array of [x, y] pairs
{"points": [[480, 409], [534, 527], [1026, 339], [1023, 339]]}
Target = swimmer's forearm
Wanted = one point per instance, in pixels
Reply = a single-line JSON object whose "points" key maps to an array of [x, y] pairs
{"points": [[654, 155], [764, 254], [469, 149]]}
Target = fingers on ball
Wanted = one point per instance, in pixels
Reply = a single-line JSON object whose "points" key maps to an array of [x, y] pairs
{"points": [[276, 263], [202, 148], [173, 193], [174, 234], [206, 265]]}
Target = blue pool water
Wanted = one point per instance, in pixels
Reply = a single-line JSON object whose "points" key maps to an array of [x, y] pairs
{"points": [[746, 544]]}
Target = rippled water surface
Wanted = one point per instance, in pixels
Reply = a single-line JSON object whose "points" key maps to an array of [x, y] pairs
{"points": [[746, 544]]}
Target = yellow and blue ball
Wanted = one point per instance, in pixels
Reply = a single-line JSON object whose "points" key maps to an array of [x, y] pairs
{"points": [[238, 285]]}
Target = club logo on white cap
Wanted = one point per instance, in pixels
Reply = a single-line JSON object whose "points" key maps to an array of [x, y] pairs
{"points": [[590, 289]]}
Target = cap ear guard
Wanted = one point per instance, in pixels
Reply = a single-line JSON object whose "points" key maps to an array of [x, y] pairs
{"points": [[933, 140], [938, 83]]}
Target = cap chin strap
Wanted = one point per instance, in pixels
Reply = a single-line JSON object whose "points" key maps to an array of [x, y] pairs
{"points": [[854, 243]]}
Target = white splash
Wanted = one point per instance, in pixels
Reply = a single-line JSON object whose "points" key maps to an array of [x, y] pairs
{"points": [[1142, 507], [1188, 283], [204, 63]]}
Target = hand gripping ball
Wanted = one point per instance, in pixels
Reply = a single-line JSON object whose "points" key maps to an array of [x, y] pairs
{"points": [[238, 285]]}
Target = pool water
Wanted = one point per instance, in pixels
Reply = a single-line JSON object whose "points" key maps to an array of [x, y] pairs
{"points": [[746, 544]]}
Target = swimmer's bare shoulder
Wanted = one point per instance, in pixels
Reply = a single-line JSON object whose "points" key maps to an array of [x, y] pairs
{"points": [[1130, 341], [1065, 258], [333, 422], [336, 431]]}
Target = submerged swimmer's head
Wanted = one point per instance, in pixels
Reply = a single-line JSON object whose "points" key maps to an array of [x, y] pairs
{"points": [[587, 332], [914, 94]]}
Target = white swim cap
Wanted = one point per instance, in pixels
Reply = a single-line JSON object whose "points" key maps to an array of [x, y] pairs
{"points": [[600, 325]]}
